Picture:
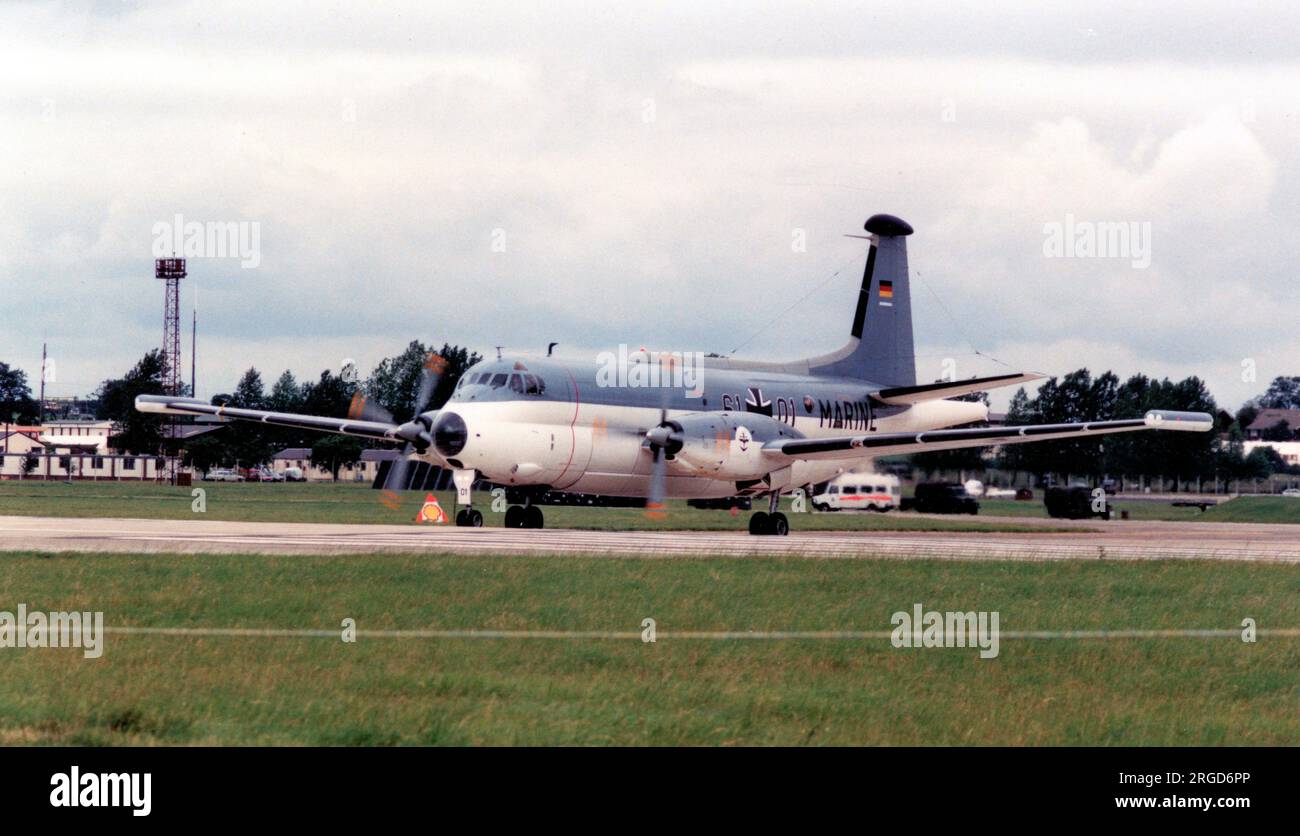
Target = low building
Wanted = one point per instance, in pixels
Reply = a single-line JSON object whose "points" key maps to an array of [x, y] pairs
{"points": [[72, 450], [1267, 419], [1288, 450]]}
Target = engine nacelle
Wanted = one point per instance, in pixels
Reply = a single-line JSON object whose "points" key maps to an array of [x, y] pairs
{"points": [[725, 445]]}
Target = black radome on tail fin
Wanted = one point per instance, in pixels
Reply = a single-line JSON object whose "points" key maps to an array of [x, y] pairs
{"points": [[880, 347]]}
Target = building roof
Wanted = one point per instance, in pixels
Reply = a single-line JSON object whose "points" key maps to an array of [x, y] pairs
{"points": [[293, 453], [187, 431], [90, 442], [377, 455], [1267, 418]]}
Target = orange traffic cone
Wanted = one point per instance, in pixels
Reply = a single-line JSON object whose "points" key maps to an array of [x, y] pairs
{"points": [[431, 511]]}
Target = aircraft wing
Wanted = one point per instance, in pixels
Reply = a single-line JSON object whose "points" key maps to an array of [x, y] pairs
{"points": [[167, 405], [891, 444]]}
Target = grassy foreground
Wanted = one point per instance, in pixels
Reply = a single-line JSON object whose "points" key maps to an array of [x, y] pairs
{"points": [[293, 690], [357, 503]]}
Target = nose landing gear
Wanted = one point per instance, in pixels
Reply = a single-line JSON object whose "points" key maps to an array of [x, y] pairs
{"points": [[469, 518], [466, 517]]}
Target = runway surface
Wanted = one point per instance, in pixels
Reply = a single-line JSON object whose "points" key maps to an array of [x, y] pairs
{"points": [[1123, 540]]}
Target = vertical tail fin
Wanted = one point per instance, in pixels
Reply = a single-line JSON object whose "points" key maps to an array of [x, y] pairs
{"points": [[880, 347]]}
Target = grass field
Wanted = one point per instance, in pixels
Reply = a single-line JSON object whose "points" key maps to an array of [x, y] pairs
{"points": [[293, 690], [357, 503]]}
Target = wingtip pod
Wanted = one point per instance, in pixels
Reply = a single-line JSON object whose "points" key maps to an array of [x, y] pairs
{"points": [[1164, 419]]}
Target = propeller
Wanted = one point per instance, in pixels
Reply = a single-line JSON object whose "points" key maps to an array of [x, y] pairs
{"points": [[416, 432], [664, 440]]}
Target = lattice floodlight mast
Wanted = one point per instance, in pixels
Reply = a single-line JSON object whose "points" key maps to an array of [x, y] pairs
{"points": [[171, 270]]}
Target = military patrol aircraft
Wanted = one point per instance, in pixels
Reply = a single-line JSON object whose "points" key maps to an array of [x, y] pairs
{"points": [[671, 425]]}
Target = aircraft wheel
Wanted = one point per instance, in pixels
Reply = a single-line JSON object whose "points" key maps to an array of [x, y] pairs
{"points": [[460, 518], [532, 517], [758, 523], [515, 516], [778, 524], [473, 519]]}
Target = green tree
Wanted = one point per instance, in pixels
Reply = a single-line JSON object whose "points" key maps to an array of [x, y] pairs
{"points": [[16, 397], [331, 396], [250, 444], [395, 382], [135, 432], [1281, 431], [1282, 393], [208, 450]]}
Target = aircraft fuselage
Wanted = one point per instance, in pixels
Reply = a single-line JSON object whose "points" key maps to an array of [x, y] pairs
{"points": [[575, 426]]}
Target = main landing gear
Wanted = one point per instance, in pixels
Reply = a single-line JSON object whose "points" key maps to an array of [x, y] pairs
{"points": [[523, 516], [770, 521]]}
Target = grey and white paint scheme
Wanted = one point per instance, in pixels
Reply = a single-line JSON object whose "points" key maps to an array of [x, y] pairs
{"points": [[743, 428]]}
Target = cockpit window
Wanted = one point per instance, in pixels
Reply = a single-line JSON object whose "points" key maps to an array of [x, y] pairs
{"points": [[516, 384], [499, 380], [533, 385]]}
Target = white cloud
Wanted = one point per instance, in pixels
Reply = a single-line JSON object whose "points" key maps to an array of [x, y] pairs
{"points": [[379, 152]]}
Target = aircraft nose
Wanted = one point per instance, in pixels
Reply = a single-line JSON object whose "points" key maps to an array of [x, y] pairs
{"points": [[450, 434]]}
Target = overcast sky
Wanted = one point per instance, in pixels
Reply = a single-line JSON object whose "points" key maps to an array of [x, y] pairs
{"points": [[512, 174]]}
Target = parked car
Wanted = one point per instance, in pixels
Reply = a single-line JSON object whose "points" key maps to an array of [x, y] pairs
{"points": [[1024, 495], [1291, 492], [1110, 486], [942, 498], [222, 474], [860, 492], [269, 475], [294, 474], [1074, 503]]}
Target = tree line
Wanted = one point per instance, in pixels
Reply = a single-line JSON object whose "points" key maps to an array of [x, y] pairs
{"points": [[393, 384], [1177, 457]]}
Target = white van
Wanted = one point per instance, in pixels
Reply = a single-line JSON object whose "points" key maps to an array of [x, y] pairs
{"points": [[859, 491]]}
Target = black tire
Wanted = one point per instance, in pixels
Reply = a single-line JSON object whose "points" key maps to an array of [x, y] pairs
{"points": [[460, 518], [778, 525], [474, 519], [515, 516], [532, 517], [758, 523]]}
